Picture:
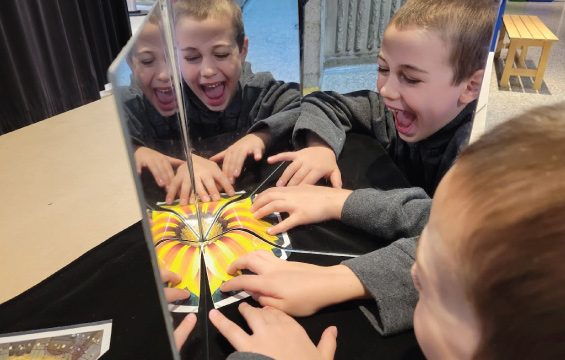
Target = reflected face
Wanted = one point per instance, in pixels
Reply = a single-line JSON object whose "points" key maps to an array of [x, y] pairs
{"points": [[444, 321], [415, 81], [151, 71], [211, 61]]}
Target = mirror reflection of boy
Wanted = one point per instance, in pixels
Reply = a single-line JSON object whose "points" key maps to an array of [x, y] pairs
{"points": [[151, 108], [224, 95], [486, 281], [431, 66]]}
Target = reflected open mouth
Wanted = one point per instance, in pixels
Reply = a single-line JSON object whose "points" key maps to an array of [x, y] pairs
{"points": [[214, 93], [166, 98]]}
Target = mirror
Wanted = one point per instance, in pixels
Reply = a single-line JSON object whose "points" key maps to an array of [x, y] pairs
{"points": [[188, 85]]}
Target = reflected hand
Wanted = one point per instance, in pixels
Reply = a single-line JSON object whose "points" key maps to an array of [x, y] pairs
{"points": [[309, 165], [305, 204], [160, 166], [275, 334], [234, 156], [208, 178], [171, 294], [299, 289]]}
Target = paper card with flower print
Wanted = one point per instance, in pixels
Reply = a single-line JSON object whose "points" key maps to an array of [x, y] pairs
{"points": [[229, 231]]}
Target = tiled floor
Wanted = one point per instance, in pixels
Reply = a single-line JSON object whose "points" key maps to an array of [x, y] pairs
{"points": [[504, 103]]}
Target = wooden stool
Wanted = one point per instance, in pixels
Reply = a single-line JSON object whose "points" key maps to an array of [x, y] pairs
{"points": [[524, 31]]}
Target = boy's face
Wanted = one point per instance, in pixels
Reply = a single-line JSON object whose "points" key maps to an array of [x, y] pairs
{"points": [[151, 71], [211, 60], [415, 81], [444, 321]]}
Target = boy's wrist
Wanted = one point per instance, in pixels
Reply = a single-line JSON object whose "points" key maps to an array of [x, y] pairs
{"points": [[345, 285], [312, 139], [264, 134], [339, 199]]}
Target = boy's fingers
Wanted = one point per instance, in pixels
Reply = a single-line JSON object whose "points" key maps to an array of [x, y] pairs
{"points": [[257, 154], [210, 185], [283, 226], [289, 172], [274, 206], [225, 184], [173, 294], [173, 189], [174, 161], [299, 176], [201, 192], [328, 343], [185, 191], [335, 179], [251, 283], [169, 276], [235, 335], [218, 157], [184, 329], [285, 156], [253, 261]]}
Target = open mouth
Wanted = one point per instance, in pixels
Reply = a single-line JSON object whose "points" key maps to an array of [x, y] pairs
{"points": [[214, 93], [166, 99], [404, 121]]}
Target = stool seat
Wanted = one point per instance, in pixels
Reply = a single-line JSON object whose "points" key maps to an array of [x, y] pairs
{"points": [[524, 31]]}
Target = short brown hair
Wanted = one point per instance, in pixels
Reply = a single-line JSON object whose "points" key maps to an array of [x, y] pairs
{"points": [[204, 9], [512, 257], [466, 26]]}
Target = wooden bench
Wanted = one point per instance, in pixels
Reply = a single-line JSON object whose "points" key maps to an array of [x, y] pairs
{"points": [[524, 31]]}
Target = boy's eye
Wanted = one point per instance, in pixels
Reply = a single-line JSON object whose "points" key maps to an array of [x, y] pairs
{"points": [[192, 58], [382, 70], [410, 81], [222, 56], [147, 62]]}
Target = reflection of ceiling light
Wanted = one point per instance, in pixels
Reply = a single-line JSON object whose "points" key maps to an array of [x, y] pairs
{"points": [[229, 231]]}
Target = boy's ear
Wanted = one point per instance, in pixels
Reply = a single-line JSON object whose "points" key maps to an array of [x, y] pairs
{"points": [[244, 49], [472, 87]]}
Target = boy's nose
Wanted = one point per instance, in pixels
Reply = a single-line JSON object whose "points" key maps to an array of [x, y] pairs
{"points": [[208, 69], [389, 89]]}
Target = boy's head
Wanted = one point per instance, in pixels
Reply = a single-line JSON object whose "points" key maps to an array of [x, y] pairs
{"points": [[490, 268], [150, 68], [432, 60], [213, 48]]}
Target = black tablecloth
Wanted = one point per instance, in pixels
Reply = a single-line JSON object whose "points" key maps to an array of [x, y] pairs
{"points": [[115, 281]]}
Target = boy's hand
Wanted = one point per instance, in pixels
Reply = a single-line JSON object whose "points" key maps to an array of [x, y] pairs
{"points": [[161, 166], [309, 164], [208, 178], [306, 204], [275, 334], [171, 294], [234, 156], [299, 289]]}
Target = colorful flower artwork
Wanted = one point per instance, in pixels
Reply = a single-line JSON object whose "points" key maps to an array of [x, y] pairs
{"points": [[228, 232]]}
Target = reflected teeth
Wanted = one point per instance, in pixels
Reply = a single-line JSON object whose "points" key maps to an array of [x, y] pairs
{"points": [[212, 86], [164, 91]]}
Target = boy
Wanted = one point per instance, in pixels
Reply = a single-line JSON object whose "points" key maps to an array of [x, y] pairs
{"points": [[488, 268], [223, 94], [430, 72]]}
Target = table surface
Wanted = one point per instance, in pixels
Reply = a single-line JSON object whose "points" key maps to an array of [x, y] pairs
{"points": [[66, 186]]}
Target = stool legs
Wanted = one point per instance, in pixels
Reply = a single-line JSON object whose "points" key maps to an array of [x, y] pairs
{"points": [[509, 62], [500, 42], [542, 64]]}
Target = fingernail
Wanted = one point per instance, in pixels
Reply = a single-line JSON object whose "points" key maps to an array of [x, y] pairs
{"points": [[256, 215], [161, 182], [232, 181], [334, 331], [269, 231], [216, 197], [279, 183], [206, 199], [191, 317], [183, 202], [213, 313], [236, 173], [231, 193]]}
